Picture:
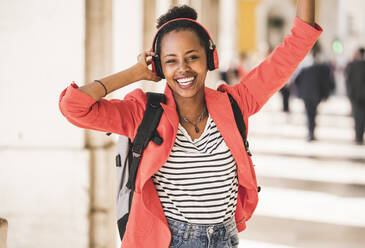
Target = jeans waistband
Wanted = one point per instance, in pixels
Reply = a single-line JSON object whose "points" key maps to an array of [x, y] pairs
{"points": [[187, 230]]}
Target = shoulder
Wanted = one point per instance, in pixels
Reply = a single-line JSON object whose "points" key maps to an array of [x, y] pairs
{"points": [[225, 88], [138, 96]]}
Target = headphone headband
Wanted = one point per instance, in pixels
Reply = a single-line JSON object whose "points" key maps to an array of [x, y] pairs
{"points": [[212, 45]]}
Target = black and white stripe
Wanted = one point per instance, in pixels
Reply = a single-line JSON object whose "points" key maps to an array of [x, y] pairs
{"points": [[198, 183]]}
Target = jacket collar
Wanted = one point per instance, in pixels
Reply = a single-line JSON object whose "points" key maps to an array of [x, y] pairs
{"points": [[170, 108]]}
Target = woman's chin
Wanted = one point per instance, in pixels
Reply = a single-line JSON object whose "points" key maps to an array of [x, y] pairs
{"points": [[187, 93]]}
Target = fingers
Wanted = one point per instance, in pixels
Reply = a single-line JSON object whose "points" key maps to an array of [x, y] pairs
{"points": [[145, 59], [149, 61], [142, 57], [150, 53]]}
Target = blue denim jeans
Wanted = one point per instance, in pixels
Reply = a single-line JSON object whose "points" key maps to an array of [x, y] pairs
{"points": [[187, 235]]}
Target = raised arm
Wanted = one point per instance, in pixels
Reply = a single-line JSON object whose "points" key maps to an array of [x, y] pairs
{"points": [[118, 80], [266, 79], [85, 107], [305, 11]]}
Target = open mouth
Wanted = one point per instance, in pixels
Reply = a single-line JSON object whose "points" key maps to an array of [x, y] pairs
{"points": [[185, 82]]}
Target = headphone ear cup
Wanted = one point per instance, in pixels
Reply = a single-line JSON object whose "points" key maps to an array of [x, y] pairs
{"points": [[215, 58], [156, 67], [212, 57], [153, 64]]}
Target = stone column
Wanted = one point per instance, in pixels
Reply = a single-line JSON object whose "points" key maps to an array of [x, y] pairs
{"points": [[151, 9], [327, 16], [44, 175], [162, 6], [98, 63], [208, 16], [149, 23], [183, 2], [247, 25], [226, 42], [3, 232]]}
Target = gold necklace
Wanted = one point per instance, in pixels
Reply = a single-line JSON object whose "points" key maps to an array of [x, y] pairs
{"points": [[200, 117]]}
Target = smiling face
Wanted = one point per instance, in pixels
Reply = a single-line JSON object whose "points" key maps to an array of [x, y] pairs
{"points": [[184, 63]]}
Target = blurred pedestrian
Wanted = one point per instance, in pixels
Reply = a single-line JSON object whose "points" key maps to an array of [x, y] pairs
{"points": [[285, 93], [355, 82], [229, 75], [314, 84], [289, 88]]}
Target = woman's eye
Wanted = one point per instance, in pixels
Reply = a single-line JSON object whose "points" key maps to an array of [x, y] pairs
{"points": [[193, 57], [170, 61]]}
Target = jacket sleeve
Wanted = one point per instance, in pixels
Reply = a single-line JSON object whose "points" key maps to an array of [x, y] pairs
{"points": [[115, 116], [255, 89]]}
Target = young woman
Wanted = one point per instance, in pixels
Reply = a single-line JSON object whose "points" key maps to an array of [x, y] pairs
{"points": [[198, 188]]}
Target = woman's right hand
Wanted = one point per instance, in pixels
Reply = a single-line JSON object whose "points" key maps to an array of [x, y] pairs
{"points": [[120, 79], [143, 72]]}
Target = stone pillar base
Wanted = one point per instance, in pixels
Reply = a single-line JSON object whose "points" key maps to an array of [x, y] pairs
{"points": [[3, 232]]}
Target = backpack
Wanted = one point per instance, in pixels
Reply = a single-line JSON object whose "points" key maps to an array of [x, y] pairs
{"points": [[129, 154]]}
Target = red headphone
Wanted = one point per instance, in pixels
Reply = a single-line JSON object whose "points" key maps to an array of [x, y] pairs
{"points": [[212, 54]]}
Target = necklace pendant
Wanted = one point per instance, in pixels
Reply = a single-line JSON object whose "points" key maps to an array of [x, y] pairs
{"points": [[196, 129]]}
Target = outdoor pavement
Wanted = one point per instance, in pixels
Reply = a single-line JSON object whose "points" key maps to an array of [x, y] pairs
{"points": [[313, 193]]}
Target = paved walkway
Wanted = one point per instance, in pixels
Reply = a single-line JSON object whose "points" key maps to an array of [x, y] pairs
{"points": [[313, 193]]}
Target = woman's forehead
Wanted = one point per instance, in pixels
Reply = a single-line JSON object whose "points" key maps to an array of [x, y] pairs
{"points": [[178, 40]]}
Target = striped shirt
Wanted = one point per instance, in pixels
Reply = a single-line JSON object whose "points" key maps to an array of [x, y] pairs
{"points": [[198, 183]]}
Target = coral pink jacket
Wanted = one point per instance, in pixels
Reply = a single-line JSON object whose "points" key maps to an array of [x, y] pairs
{"points": [[147, 225]]}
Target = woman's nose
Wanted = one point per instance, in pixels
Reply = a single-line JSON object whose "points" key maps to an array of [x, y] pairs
{"points": [[183, 66]]}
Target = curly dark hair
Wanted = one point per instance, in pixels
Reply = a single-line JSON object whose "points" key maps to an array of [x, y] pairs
{"points": [[177, 12], [183, 11]]}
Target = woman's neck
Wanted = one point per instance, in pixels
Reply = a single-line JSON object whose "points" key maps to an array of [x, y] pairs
{"points": [[193, 114], [190, 108]]}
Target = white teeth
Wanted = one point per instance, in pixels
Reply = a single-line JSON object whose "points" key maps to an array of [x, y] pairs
{"points": [[185, 84], [185, 81]]}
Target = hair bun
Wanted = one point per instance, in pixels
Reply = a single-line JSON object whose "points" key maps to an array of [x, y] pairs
{"points": [[183, 11]]}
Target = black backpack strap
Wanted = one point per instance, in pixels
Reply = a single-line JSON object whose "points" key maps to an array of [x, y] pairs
{"points": [[241, 126], [240, 122], [146, 132]]}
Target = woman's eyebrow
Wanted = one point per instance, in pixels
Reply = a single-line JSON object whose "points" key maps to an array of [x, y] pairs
{"points": [[190, 51], [170, 54], [187, 52]]}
